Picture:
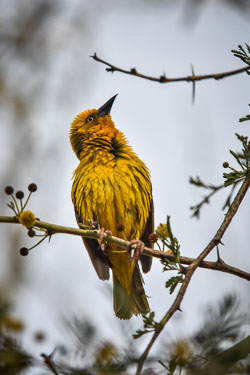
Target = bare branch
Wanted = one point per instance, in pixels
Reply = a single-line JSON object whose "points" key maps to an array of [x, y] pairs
{"points": [[192, 268], [163, 79], [49, 363]]}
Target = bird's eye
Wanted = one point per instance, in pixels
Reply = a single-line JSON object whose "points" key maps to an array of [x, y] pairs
{"points": [[90, 119]]}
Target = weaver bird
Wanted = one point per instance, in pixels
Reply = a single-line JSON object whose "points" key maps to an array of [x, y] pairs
{"points": [[112, 185]]}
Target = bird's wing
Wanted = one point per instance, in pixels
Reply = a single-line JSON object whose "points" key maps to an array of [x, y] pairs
{"points": [[99, 260], [146, 261]]}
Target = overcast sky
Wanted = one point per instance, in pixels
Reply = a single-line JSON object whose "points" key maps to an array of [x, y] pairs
{"points": [[174, 138]]}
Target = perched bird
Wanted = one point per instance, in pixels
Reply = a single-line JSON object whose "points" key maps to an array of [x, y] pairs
{"points": [[111, 186]]}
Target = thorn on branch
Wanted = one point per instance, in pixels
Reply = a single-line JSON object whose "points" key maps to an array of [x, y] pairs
{"points": [[217, 241], [183, 269], [193, 84], [162, 78], [218, 254]]}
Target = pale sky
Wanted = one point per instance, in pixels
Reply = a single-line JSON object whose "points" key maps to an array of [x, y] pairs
{"points": [[174, 138]]}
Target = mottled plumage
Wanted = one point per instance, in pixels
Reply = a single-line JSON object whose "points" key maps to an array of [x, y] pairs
{"points": [[112, 185]]}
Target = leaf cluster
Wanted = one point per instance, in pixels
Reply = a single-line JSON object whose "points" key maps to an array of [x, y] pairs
{"points": [[243, 54], [149, 325], [168, 240], [173, 282], [171, 242], [232, 178], [243, 160]]}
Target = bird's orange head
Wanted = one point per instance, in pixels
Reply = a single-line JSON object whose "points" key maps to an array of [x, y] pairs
{"points": [[92, 125]]}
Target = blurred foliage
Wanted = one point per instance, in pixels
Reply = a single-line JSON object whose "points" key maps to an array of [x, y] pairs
{"points": [[13, 359], [241, 5], [34, 36], [232, 178], [219, 346], [222, 323]]}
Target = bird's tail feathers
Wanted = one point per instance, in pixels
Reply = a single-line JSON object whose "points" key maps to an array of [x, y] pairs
{"points": [[132, 302]]}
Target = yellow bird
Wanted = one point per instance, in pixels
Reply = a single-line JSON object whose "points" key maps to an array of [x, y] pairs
{"points": [[112, 185]]}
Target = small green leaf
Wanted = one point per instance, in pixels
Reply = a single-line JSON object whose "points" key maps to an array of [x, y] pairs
{"points": [[242, 54], [173, 282], [246, 118], [236, 157]]}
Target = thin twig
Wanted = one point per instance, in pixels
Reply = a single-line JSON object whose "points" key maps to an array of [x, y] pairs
{"points": [[49, 363], [163, 79], [192, 268], [95, 234]]}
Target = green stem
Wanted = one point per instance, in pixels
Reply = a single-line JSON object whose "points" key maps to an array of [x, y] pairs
{"points": [[27, 201], [15, 202], [158, 246], [39, 242]]}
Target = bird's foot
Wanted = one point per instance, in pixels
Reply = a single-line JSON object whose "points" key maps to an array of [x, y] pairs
{"points": [[136, 248], [103, 244]]}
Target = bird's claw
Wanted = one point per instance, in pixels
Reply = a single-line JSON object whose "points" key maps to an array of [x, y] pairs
{"points": [[103, 244], [136, 249]]}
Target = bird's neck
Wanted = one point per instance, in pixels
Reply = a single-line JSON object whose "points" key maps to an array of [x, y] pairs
{"points": [[109, 141]]}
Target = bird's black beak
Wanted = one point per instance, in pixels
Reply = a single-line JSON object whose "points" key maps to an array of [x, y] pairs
{"points": [[106, 108]]}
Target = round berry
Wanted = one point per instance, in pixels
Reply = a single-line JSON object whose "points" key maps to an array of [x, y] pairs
{"points": [[32, 187], [24, 251], [120, 227], [153, 237], [19, 194], [31, 232], [9, 190], [39, 336], [225, 164]]}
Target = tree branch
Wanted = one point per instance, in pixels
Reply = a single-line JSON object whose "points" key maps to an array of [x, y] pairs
{"points": [[163, 79], [49, 363], [95, 234], [192, 268]]}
